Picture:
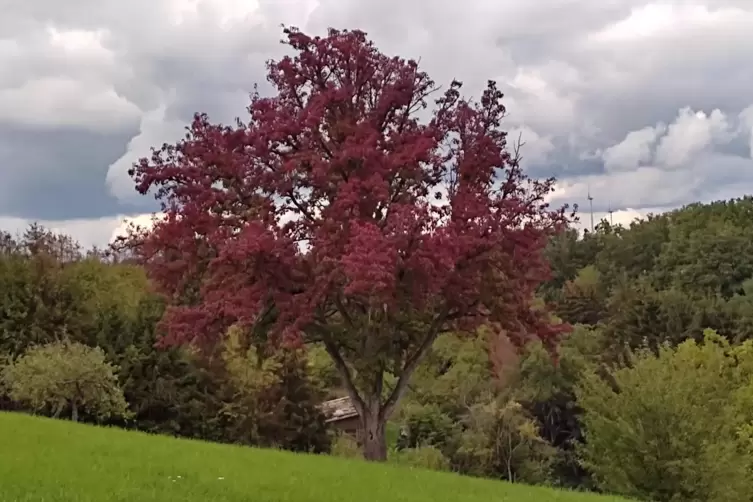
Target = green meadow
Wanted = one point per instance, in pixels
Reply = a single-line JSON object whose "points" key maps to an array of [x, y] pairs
{"points": [[44, 460]]}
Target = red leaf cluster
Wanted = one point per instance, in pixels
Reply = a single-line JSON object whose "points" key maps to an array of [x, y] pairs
{"points": [[335, 196]]}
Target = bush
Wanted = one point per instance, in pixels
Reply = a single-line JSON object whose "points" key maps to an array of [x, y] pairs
{"points": [[346, 446], [428, 425], [547, 391], [424, 457]]}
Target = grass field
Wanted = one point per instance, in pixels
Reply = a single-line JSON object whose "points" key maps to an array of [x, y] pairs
{"points": [[44, 460]]}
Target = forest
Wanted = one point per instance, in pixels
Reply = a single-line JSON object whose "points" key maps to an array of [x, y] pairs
{"points": [[650, 395]]}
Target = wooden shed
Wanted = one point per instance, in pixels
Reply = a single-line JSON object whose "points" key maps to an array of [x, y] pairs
{"points": [[342, 415]]}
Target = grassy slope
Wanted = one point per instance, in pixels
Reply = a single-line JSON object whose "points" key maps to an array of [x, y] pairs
{"points": [[45, 460]]}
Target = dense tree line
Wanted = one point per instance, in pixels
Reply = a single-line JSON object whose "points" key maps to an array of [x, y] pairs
{"points": [[56, 298], [650, 396]]}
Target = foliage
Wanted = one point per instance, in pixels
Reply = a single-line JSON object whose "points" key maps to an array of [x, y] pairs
{"points": [[345, 446], [322, 370], [583, 299], [662, 279], [668, 427], [461, 411], [336, 215], [272, 398], [501, 440], [111, 306], [547, 391], [427, 425], [59, 461], [6, 403], [66, 376], [455, 372]]}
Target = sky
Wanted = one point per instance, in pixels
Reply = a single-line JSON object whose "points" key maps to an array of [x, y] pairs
{"points": [[646, 104]]}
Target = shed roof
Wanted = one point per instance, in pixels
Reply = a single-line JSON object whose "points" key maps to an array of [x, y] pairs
{"points": [[338, 409]]}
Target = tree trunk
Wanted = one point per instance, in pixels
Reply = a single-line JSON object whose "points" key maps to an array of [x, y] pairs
{"points": [[59, 407], [74, 411], [373, 438]]}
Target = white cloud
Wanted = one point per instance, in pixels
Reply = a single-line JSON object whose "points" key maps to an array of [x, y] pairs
{"points": [[634, 150], [63, 102], [536, 102], [664, 20], [589, 84], [155, 129], [622, 217], [690, 134], [88, 232], [746, 126], [534, 149], [687, 164]]}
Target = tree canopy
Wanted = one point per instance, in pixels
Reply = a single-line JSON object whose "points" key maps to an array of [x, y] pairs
{"points": [[336, 214]]}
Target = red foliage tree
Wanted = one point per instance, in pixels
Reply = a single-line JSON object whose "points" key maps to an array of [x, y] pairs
{"points": [[336, 215]]}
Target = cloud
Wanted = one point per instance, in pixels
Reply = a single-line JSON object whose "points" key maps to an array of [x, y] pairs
{"points": [[88, 232], [670, 166], [622, 217], [535, 149], [154, 130], [634, 150], [690, 134], [746, 127], [647, 102], [63, 102]]}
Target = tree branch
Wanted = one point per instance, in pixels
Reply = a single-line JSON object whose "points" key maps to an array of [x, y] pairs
{"points": [[412, 364], [343, 310], [344, 371]]}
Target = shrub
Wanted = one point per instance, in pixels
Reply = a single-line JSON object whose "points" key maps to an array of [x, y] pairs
{"points": [[346, 446], [425, 457]]}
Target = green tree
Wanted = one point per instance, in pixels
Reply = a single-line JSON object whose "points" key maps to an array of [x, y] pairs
{"points": [[500, 439], [38, 303], [567, 253], [547, 391], [632, 252], [640, 314], [583, 299], [713, 260], [66, 376], [668, 428], [461, 405], [270, 400]]}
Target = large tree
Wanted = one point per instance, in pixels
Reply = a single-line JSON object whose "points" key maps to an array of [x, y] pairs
{"points": [[336, 215]]}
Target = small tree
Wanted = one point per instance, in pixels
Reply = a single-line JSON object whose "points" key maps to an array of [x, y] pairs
{"points": [[500, 439], [336, 216], [66, 376]]}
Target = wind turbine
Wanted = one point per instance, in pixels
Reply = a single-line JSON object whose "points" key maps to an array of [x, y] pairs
{"points": [[591, 204], [610, 211]]}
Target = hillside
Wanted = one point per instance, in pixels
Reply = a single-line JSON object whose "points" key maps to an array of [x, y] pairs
{"points": [[56, 461]]}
